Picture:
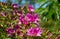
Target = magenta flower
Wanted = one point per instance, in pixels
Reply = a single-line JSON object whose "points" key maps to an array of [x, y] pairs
{"points": [[30, 8], [25, 22], [34, 31], [17, 27], [32, 18], [15, 5], [21, 17], [10, 31], [19, 22]]}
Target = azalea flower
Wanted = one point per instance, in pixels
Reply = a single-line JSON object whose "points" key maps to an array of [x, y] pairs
{"points": [[34, 31], [25, 22], [15, 5], [30, 8], [32, 18], [10, 31], [21, 17], [17, 27], [19, 22]]}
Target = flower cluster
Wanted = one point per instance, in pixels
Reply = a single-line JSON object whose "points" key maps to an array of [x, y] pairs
{"points": [[27, 23]]}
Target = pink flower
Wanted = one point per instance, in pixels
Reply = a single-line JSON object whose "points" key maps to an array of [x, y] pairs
{"points": [[10, 31], [15, 5], [19, 22], [34, 31], [30, 8], [17, 27], [25, 21], [21, 17], [32, 18]]}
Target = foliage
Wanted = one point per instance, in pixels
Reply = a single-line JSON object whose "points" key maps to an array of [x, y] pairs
{"points": [[49, 12]]}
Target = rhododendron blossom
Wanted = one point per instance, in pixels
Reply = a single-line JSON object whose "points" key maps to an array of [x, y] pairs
{"points": [[30, 8], [21, 17], [25, 21], [10, 31], [34, 31], [15, 5], [32, 17], [17, 27]]}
